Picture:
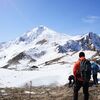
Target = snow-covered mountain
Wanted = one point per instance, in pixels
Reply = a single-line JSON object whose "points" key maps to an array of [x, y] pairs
{"points": [[43, 56], [89, 41], [41, 45]]}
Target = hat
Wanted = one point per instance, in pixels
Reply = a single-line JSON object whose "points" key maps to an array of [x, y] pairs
{"points": [[81, 54]]}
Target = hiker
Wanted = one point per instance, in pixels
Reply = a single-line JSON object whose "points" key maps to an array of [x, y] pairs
{"points": [[82, 74], [71, 80], [95, 70]]}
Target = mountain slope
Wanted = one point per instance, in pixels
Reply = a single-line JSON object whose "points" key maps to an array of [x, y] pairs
{"points": [[44, 57], [90, 41], [43, 44]]}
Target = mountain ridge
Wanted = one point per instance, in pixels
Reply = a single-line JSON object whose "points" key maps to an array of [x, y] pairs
{"points": [[44, 43]]}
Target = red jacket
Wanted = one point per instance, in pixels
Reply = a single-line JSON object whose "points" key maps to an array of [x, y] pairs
{"points": [[77, 68]]}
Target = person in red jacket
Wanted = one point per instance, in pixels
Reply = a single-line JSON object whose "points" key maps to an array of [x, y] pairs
{"points": [[79, 82]]}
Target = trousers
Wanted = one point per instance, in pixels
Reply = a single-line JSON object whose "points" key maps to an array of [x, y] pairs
{"points": [[78, 84], [95, 79]]}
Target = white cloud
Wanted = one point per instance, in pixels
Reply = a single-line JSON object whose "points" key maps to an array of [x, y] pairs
{"points": [[90, 19]]}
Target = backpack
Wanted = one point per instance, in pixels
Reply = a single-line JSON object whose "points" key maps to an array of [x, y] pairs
{"points": [[85, 70], [95, 68]]}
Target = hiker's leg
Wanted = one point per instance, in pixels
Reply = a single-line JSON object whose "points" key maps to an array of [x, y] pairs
{"points": [[85, 90], [77, 86], [96, 79]]}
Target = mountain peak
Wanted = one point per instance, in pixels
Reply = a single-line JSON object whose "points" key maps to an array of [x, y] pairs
{"points": [[91, 34], [34, 33], [42, 27]]}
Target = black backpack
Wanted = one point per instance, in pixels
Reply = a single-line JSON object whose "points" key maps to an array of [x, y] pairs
{"points": [[85, 69]]}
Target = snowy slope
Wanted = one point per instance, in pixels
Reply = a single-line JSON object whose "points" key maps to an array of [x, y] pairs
{"points": [[42, 43], [43, 56], [36, 43], [89, 41], [56, 74]]}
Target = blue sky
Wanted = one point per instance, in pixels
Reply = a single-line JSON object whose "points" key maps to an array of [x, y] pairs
{"points": [[67, 16]]}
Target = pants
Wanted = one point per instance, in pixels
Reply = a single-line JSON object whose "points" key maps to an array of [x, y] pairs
{"points": [[77, 86], [95, 80]]}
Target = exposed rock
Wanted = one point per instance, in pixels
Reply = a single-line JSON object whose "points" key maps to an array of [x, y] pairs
{"points": [[42, 41], [22, 55]]}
